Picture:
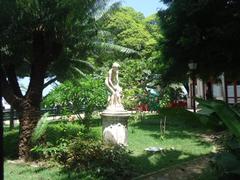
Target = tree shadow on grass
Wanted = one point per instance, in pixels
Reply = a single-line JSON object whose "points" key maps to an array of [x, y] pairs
{"points": [[150, 162], [196, 137], [174, 116], [30, 170], [73, 175], [178, 124]]}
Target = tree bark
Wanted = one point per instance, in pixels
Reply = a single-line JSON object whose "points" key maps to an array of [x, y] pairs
{"points": [[28, 121], [28, 106], [30, 113]]}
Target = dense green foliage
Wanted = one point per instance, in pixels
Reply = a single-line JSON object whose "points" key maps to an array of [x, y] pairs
{"points": [[203, 31], [128, 29], [84, 95], [57, 137], [215, 114], [10, 142]]}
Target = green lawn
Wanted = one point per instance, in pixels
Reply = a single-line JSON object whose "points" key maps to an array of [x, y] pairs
{"points": [[26, 172], [181, 142]]}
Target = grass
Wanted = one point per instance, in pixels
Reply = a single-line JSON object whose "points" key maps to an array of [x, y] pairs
{"points": [[27, 172], [182, 141]]}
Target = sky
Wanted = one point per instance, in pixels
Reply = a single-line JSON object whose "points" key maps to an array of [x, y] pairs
{"points": [[147, 7]]}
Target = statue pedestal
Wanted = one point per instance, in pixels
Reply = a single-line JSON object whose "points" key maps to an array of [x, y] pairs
{"points": [[114, 124]]}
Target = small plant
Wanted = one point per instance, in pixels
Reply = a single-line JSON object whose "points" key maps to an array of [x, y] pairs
{"points": [[49, 150]]}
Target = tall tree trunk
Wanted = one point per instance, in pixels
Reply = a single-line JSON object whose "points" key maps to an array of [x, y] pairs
{"points": [[30, 110], [28, 121]]}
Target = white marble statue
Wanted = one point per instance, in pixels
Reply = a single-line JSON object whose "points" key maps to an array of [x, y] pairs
{"points": [[112, 83]]}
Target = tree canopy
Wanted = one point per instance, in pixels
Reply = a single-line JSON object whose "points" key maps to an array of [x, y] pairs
{"points": [[41, 38], [61, 29], [129, 29], [206, 32]]}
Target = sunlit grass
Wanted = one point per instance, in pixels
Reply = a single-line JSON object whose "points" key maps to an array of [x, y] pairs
{"points": [[182, 141], [27, 172]]}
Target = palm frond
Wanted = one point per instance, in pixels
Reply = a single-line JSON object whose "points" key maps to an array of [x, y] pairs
{"points": [[117, 48], [103, 33], [41, 128], [87, 64], [101, 16], [78, 71]]}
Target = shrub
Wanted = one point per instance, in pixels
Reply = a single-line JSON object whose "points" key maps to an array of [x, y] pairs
{"points": [[49, 150], [88, 92], [56, 138], [66, 130], [110, 162]]}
